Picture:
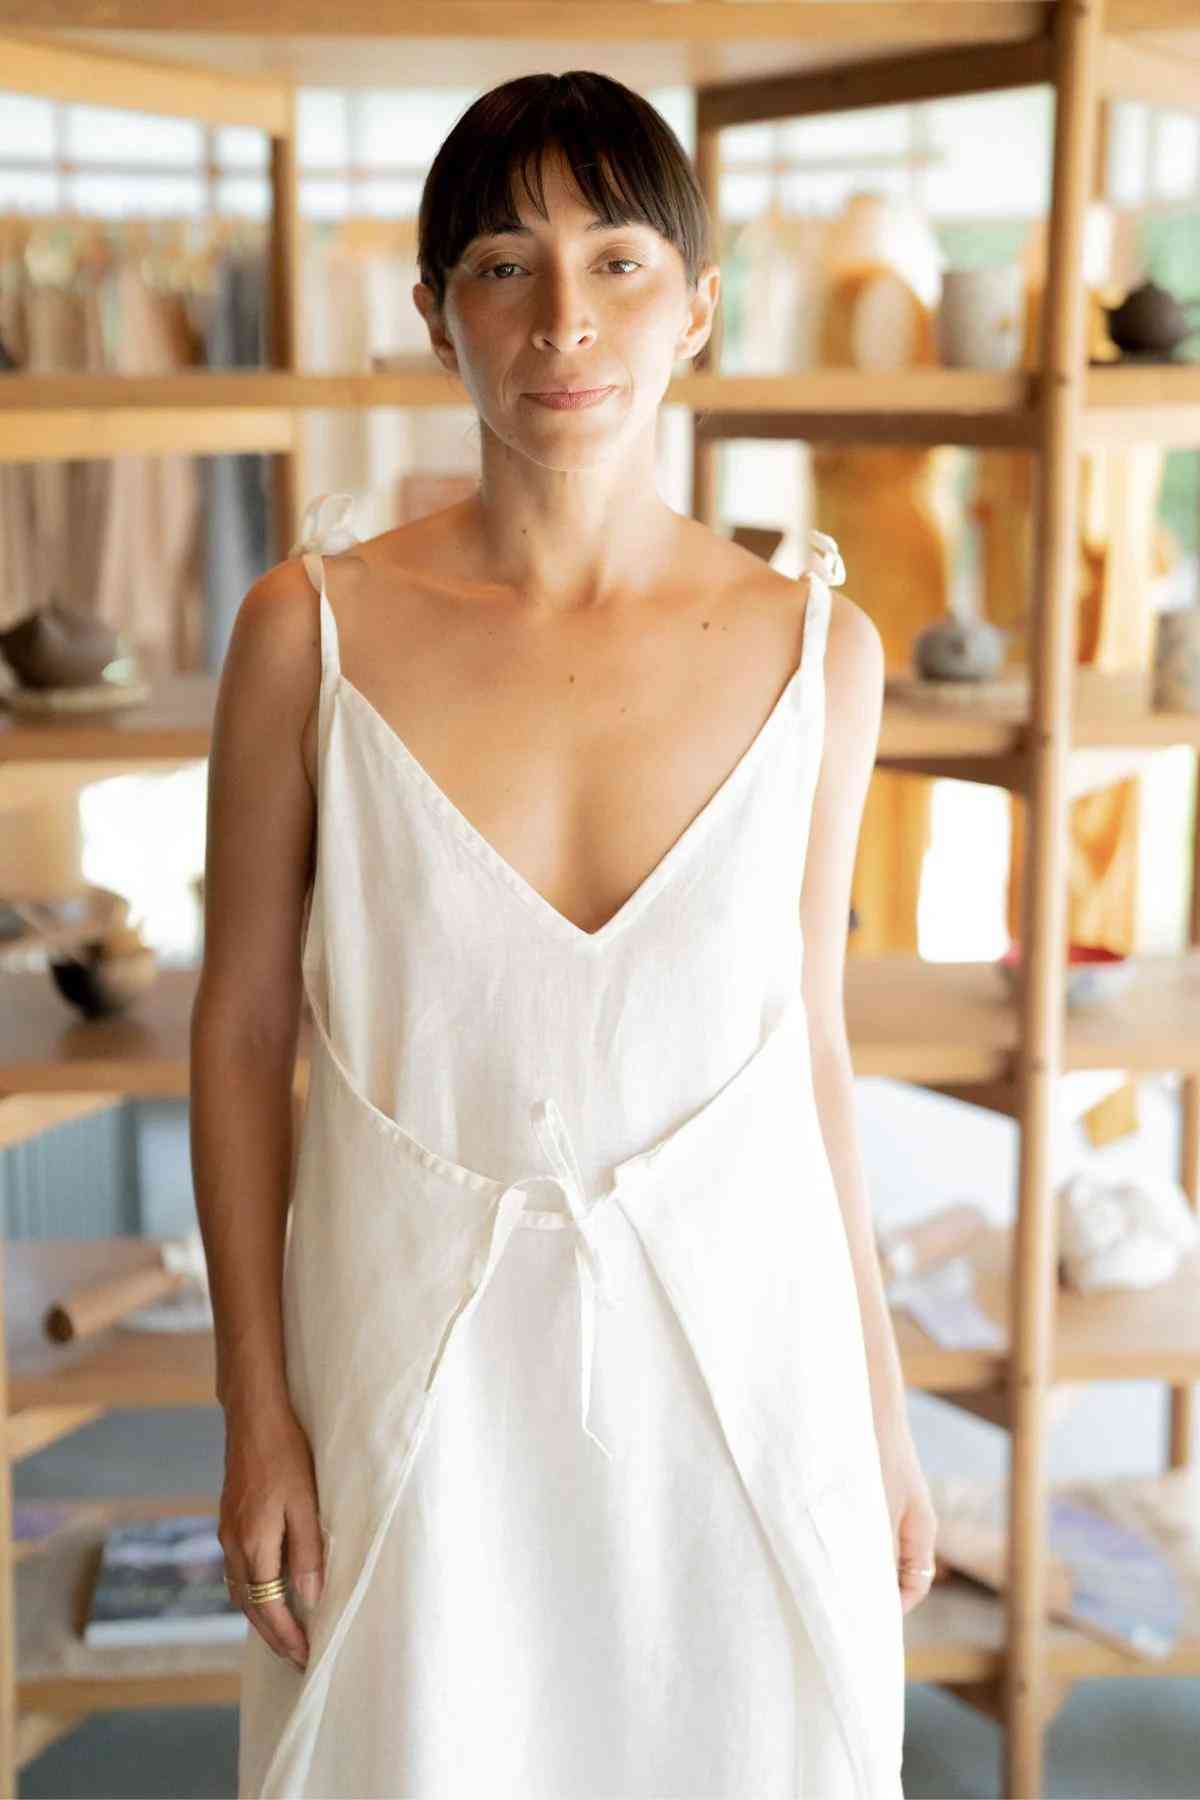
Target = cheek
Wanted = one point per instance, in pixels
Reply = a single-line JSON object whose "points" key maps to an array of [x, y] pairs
{"points": [[649, 324]]}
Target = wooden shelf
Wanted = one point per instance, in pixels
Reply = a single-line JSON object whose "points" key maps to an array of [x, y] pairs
{"points": [[117, 1367], [47, 1047], [951, 1023], [48, 417], [173, 725], [953, 1027], [985, 741], [26, 1116], [1135, 1335], [941, 1023], [958, 1632], [372, 44], [1150, 1334], [58, 1673]]}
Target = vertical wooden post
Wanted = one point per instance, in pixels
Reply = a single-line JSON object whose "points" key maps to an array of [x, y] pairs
{"points": [[9, 1672], [706, 453], [284, 303], [1076, 28], [1181, 1426]]}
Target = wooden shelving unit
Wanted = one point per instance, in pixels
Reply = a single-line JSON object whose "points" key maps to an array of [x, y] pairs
{"points": [[950, 1027]]}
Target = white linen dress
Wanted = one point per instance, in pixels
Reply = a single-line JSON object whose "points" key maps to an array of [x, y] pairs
{"points": [[570, 1315]]}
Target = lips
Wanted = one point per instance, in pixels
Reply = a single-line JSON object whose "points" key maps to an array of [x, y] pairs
{"points": [[568, 398]]}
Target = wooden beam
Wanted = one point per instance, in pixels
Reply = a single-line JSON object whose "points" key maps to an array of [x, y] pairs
{"points": [[37, 435], [421, 381], [1041, 1042], [36, 1427], [821, 22], [66, 72], [887, 81], [816, 424], [1131, 71], [1150, 15]]}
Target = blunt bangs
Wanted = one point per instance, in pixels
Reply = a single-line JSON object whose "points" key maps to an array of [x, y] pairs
{"points": [[626, 162]]}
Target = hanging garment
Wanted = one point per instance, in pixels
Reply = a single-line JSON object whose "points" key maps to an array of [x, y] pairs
{"points": [[236, 489], [570, 1315]]}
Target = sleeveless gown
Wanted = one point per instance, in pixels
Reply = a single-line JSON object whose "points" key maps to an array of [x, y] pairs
{"points": [[569, 1312]]}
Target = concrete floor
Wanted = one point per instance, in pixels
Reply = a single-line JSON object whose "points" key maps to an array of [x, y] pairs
{"points": [[1112, 1741]]}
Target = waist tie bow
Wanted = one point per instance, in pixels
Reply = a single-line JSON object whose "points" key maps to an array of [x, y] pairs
{"points": [[595, 1285]]}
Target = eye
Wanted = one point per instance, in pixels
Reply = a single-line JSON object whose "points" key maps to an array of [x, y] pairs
{"points": [[630, 262]]}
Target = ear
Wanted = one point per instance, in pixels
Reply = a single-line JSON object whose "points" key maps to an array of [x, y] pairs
{"points": [[702, 306], [426, 304]]}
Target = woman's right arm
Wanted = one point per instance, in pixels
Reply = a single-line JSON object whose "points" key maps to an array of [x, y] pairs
{"points": [[245, 1021]]}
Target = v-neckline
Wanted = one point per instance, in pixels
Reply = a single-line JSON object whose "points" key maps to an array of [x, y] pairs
{"points": [[486, 852]]}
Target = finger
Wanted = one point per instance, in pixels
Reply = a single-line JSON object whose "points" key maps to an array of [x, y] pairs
{"points": [[915, 1554], [277, 1618], [305, 1553], [274, 1620], [913, 1587]]}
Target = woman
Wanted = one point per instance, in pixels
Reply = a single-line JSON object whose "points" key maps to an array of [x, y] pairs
{"points": [[623, 1503]]}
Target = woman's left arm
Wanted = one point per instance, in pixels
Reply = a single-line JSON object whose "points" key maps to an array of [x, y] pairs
{"points": [[854, 680]]}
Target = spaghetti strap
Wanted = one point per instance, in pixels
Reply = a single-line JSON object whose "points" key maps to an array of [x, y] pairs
{"points": [[826, 570], [331, 661], [325, 527]]}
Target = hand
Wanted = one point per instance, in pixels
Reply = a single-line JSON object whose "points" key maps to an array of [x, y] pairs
{"points": [[270, 1523], [914, 1523]]}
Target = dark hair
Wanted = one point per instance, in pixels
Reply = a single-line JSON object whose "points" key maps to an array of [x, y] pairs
{"points": [[625, 159]]}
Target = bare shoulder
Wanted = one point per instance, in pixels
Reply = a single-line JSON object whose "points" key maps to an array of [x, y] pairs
{"points": [[855, 674], [271, 675], [277, 630], [854, 659], [854, 654]]}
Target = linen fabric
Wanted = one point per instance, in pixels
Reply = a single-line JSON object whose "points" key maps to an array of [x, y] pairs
{"points": [[569, 1311]]}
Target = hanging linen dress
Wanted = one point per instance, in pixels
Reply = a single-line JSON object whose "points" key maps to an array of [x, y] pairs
{"points": [[570, 1315]]}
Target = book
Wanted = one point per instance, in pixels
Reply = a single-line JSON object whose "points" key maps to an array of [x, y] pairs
{"points": [[1124, 1590], [1105, 1575], [162, 1581]]}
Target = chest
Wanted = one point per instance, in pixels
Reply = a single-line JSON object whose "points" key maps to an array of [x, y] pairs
{"points": [[578, 757]]}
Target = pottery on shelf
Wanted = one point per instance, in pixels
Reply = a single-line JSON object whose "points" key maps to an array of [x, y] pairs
{"points": [[106, 975], [58, 646], [1150, 321], [959, 649]]}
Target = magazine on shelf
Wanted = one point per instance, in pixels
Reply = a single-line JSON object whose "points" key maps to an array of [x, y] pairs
{"points": [[162, 1581], [1105, 1576]]}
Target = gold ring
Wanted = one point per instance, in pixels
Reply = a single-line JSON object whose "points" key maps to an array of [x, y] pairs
{"points": [[258, 1591]]}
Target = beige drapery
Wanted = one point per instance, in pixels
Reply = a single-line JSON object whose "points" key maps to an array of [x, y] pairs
{"points": [[114, 536]]}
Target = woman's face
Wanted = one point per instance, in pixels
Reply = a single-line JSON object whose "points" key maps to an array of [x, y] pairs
{"points": [[568, 302]]}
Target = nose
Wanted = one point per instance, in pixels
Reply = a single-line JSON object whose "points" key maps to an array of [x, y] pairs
{"points": [[564, 317]]}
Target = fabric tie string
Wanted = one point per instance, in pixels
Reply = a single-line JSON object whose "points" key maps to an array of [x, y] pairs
{"points": [[326, 525], [595, 1286], [825, 559]]}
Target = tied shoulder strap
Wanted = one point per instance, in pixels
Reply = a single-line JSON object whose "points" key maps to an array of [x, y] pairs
{"points": [[825, 559], [326, 525]]}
